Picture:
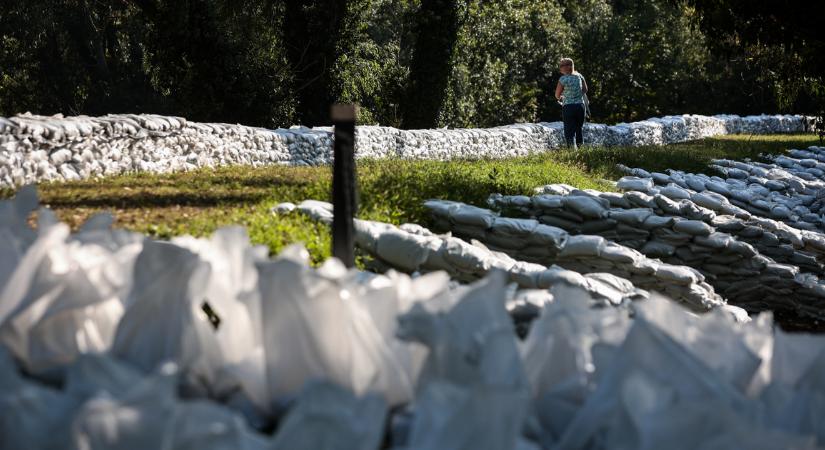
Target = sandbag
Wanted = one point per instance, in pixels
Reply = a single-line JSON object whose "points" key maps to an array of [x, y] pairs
{"points": [[583, 245]]}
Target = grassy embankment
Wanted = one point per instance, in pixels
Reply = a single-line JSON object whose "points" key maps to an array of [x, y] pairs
{"points": [[200, 201]]}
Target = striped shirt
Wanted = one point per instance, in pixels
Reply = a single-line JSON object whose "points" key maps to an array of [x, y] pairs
{"points": [[572, 88]]}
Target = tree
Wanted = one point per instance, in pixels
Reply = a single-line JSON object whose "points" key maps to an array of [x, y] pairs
{"points": [[768, 53], [496, 80], [218, 60], [642, 58], [436, 33], [316, 34]]}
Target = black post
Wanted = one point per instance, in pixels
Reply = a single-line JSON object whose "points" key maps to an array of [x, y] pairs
{"points": [[344, 204]]}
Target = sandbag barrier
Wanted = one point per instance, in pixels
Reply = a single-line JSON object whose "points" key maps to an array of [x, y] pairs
{"points": [[785, 192], [110, 339], [774, 238], [42, 148], [412, 248], [683, 234], [531, 241]]}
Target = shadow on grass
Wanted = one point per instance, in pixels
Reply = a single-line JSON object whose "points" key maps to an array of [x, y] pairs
{"points": [[148, 199]]}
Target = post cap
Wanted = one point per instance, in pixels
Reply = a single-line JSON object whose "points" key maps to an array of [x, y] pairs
{"points": [[344, 112]]}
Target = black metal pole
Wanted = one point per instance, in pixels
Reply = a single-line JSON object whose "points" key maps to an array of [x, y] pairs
{"points": [[344, 205]]}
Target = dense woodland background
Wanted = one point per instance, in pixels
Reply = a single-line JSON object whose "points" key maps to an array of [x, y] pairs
{"points": [[408, 63]]}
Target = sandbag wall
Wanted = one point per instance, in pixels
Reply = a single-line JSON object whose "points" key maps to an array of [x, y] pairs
{"points": [[529, 240], [681, 233], [412, 248], [785, 190], [39, 148]]}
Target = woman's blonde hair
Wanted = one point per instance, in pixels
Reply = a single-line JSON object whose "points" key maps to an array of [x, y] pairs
{"points": [[566, 61]]}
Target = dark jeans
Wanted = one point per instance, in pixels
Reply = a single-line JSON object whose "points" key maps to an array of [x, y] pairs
{"points": [[573, 117]]}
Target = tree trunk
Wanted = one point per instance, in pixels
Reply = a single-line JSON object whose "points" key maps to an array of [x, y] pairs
{"points": [[437, 31], [312, 31]]}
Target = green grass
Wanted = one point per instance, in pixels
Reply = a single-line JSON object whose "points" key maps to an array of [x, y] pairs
{"points": [[393, 191]]}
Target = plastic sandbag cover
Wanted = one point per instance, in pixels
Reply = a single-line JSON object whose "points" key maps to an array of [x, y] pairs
{"points": [[232, 294], [84, 317], [328, 417], [665, 367], [734, 352], [232, 288], [472, 392], [557, 349], [473, 342], [688, 425], [74, 299], [321, 324], [165, 320]]}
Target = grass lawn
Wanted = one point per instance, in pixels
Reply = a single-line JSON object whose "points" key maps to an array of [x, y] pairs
{"points": [[198, 202]]}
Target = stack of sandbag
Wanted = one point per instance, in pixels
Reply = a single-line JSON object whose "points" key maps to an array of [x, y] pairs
{"points": [[783, 196], [413, 248], [658, 228], [37, 148], [783, 240], [532, 241]]}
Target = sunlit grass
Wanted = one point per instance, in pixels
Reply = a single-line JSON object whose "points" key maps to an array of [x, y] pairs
{"points": [[200, 201]]}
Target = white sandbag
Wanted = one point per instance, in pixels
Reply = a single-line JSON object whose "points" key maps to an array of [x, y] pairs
{"points": [[471, 215], [14, 292], [678, 274], [649, 361], [547, 235], [320, 211], [583, 245], [616, 199], [205, 425], [634, 217], [620, 254], [284, 208], [519, 228], [15, 233], [467, 256], [548, 201], [692, 227], [675, 192], [92, 374], [640, 199], [73, 303], [634, 184], [403, 250], [657, 249], [588, 207]]}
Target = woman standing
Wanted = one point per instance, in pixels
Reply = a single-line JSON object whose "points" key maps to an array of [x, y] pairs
{"points": [[570, 92]]}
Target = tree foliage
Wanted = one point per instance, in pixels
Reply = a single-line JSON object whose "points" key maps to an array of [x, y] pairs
{"points": [[411, 63]]}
